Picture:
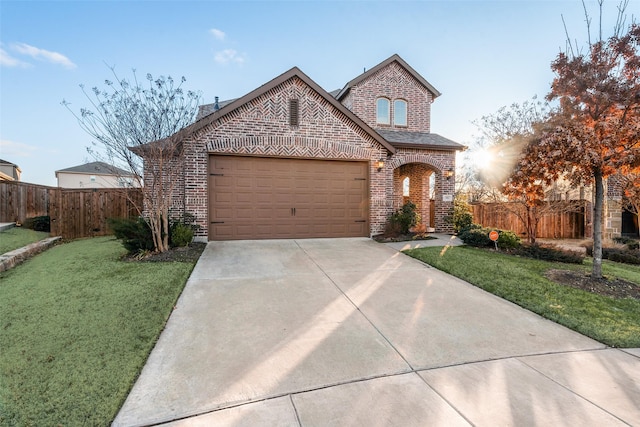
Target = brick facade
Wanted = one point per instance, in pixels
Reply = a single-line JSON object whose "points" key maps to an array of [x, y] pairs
{"points": [[259, 126], [394, 83]]}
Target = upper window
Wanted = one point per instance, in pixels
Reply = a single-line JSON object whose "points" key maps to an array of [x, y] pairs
{"points": [[382, 111], [400, 112]]}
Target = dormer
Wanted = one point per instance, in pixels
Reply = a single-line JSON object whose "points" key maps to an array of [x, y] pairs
{"points": [[391, 96]]}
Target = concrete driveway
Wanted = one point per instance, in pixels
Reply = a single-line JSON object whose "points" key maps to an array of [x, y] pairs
{"points": [[350, 332]]}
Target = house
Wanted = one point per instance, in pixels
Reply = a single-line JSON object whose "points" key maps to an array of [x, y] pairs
{"points": [[95, 175], [291, 160], [9, 171]]}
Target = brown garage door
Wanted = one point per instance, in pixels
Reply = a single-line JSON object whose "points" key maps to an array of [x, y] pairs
{"points": [[272, 198]]}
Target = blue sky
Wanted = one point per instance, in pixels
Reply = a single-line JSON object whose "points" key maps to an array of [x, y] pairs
{"points": [[480, 54]]}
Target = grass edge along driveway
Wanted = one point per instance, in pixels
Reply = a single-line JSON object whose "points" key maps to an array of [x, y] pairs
{"points": [[614, 322], [76, 326]]}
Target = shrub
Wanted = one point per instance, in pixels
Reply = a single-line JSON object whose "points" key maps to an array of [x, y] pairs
{"points": [[461, 217], [476, 236], [629, 242], [135, 233], [181, 235], [401, 220], [508, 239], [479, 236], [549, 253], [622, 255], [38, 223], [618, 250]]}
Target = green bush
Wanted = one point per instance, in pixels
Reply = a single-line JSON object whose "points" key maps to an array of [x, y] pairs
{"points": [[461, 217], [631, 243], [508, 239], [181, 235], [549, 253], [617, 252], [135, 233], [401, 220], [476, 236], [479, 236], [622, 255], [38, 223]]}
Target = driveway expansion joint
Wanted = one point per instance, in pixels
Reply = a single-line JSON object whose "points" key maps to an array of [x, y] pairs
{"points": [[357, 308]]}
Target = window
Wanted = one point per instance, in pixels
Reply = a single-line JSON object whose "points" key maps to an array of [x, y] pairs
{"points": [[382, 111], [92, 178], [400, 112], [405, 187]]}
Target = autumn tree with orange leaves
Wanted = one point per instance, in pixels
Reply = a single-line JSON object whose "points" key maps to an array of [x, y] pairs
{"points": [[595, 131]]}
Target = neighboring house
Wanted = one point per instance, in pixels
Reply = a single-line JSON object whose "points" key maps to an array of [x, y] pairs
{"points": [[9, 171], [95, 175], [291, 160], [618, 220]]}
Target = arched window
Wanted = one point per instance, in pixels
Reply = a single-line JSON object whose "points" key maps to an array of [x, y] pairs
{"points": [[405, 187], [382, 111], [400, 112]]}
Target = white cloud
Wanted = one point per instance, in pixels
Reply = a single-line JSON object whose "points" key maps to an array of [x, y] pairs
{"points": [[15, 149], [7, 60], [47, 55], [218, 34], [229, 56]]}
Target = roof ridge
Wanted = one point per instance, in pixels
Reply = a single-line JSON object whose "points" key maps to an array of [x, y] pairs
{"points": [[393, 58]]}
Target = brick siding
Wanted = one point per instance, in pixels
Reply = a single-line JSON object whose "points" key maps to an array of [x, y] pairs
{"points": [[392, 82], [261, 128]]}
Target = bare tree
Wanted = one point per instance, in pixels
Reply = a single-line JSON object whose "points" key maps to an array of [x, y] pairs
{"points": [[134, 124], [504, 137]]}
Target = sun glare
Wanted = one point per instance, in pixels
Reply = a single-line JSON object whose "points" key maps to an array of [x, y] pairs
{"points": [[482, 159]]}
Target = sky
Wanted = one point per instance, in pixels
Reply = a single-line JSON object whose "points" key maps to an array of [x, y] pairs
{"points": [[481, 55]]}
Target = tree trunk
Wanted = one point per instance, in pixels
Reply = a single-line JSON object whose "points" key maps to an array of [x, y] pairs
{"points": [[596, 272], [165, 226], [532, 224]]}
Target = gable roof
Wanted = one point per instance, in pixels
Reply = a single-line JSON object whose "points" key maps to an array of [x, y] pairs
{"points": [[206, 109], [402, 63], [433, 141], [96, 168], [237, 103], [4, 162]]}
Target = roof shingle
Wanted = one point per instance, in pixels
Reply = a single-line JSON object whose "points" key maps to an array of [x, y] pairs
{"points": [[96, 168], [408, 139]]}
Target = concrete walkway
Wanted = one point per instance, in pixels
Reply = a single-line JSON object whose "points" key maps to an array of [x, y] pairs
{"points": [[350, 332]]}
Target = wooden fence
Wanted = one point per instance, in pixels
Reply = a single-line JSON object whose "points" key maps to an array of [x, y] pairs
{"points": [[560, 220], [19, 200], [74, 213]]}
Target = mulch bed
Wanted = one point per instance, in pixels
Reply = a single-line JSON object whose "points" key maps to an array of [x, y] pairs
{"points": [[616, 288], [402, 238], [189, 253]]}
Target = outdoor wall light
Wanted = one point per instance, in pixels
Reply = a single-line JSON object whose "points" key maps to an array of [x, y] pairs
{"points": [[448, 174], [380, 164]]}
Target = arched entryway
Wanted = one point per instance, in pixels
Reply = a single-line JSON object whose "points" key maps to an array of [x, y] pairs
{"points": [[417, 183]]}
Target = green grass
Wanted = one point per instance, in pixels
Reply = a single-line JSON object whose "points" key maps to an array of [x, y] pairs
{"points": [[615, 322], [76, 327], [15, 238]]}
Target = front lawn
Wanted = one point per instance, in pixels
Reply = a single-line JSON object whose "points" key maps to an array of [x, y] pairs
{"points": [[15, 238], [76, 327], [615, 322]]}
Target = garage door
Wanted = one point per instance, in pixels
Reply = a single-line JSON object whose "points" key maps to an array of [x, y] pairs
{"points": [[272, 198]]}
